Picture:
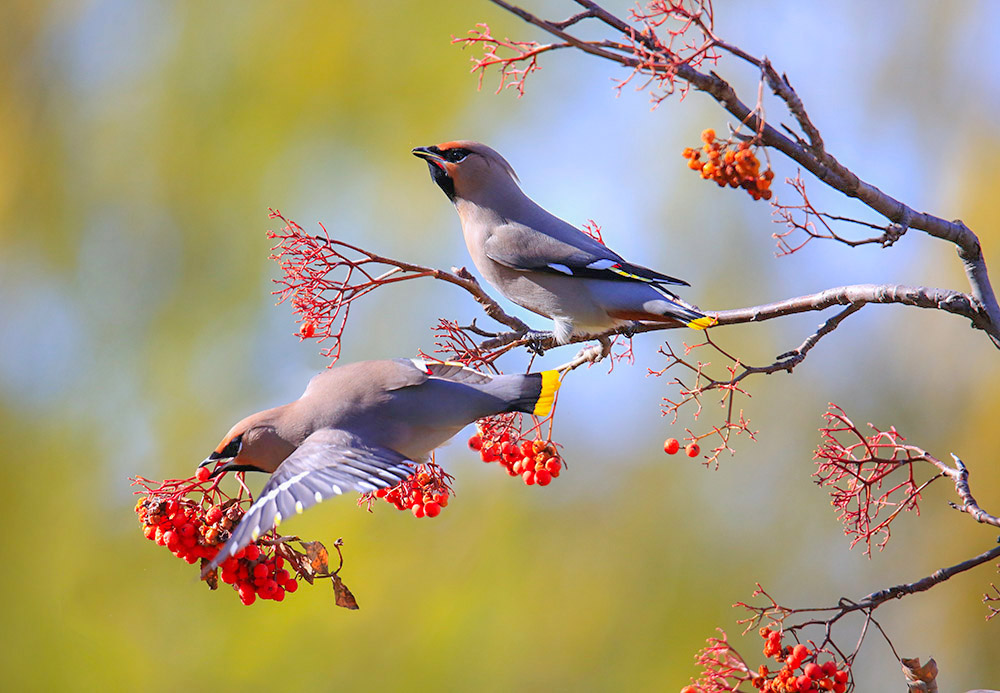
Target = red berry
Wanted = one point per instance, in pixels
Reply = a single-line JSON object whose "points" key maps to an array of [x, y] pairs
{"points": [[800, 652], [279, 562], [432, 509], [671, 446], [829, 668], [793, 662], [813, 670], [260, 571], [529, 477], [490, 453], [252, 552], [171, 539], [149, 531], [203, 473], [279, 594], [418, 509], [839, 688], [543, 477], [291, 585], [552, 466], [247, 593], [528, 449], [841, 676], [692, 449], [476, 442], [307, 329], [228, 577], [803, 683]]}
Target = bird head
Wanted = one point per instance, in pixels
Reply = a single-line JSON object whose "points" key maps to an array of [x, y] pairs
{"points": [[465, 169], [252, 445]]}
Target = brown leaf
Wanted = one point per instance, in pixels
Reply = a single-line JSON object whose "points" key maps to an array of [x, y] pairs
{"points": [[343, 595], [209, 576], [920, 679], [318, 556]]}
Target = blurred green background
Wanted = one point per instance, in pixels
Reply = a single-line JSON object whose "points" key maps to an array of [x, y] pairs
{"points": [[140, 147]]}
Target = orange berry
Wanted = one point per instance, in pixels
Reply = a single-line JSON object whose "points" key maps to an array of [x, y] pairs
{"points": [[688, 153], [694, 164], [692, 449], [708, 135]]}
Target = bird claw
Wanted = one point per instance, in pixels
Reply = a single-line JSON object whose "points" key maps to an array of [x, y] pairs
{"points": [[590, 354], [628, 331], [536, 338]]}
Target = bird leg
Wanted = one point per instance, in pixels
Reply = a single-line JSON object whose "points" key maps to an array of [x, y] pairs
{"points": [[590, 354]]}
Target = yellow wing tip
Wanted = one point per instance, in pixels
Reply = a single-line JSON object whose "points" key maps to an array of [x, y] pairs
{"points": [[547, 397], [702, 323]]}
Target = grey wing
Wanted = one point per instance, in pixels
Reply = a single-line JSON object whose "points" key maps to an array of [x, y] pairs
{"points": [[328, 463], [522, 248]]}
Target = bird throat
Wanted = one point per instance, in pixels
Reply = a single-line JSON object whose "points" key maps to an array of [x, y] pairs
{"points": [[443, 180]]}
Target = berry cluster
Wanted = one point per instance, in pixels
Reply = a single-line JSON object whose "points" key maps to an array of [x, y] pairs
{"points": [[672, 445], [536, 461], [180, 526], [424, 493], [254, 574], [735, 166], [193, 531], [813, 677]]}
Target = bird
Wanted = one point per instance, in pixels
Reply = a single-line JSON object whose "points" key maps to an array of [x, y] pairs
{"points": [[543, 263], [361, 426]]}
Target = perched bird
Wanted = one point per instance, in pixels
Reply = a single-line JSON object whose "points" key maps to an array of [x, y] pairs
{"points": [[540, 261], [358, 427]]}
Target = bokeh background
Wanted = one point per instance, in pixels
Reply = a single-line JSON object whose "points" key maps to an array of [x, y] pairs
{"points": [[140, 147]]}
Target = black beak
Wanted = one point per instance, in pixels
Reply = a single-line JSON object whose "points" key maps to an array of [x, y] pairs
{"points": [[430, 154], [214, 458]]}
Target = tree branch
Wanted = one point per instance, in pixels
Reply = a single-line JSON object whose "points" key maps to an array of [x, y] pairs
{"points": [[657, 60]]}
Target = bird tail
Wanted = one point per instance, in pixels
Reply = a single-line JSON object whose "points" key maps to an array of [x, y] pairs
{"points": [[533, 393], [671, 309], [674, 307]]}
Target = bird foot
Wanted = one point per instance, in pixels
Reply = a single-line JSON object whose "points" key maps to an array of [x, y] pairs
{"points": [[536, 339], [590, 354]]}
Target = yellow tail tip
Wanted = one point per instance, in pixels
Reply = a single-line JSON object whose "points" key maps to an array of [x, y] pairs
{"points": [[702, 323], [547, 397]]}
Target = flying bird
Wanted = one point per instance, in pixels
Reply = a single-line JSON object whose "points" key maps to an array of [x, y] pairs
{"points": [[540, 261], [360, 427]]}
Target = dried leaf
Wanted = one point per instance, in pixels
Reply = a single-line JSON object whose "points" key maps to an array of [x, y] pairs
{"points": [[343, 595], [209, 576], [920, 679], [318, 557]]}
